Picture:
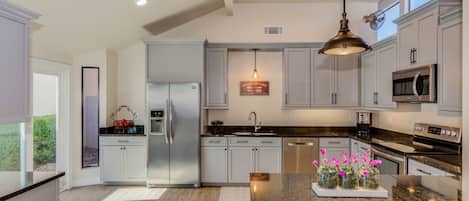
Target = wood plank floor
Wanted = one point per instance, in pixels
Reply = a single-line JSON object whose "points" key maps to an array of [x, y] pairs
{"points": [[136, 193]]}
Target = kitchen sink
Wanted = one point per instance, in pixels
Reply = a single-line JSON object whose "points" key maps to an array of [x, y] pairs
{"points": [[254, 134]]}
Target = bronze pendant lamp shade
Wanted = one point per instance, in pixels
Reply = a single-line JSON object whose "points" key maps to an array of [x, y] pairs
{"points": [[345, 42]]}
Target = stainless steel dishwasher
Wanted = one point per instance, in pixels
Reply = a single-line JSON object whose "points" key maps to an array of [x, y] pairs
{"points": [[298, 155]]}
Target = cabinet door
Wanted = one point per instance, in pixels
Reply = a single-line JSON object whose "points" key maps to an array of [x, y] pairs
{"points": [[297, 77], [214, 162], [323, 83], [355, 149], [450, 67], [347, 90], [427, 39], [269, 159], [407, 38], [240, 164], [111, 163], [14, 67], [216, 77], [386, 64], [135, 162], [369, 79]]}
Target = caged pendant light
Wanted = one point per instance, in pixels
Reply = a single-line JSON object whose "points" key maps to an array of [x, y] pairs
{"points": [[345, 42]]}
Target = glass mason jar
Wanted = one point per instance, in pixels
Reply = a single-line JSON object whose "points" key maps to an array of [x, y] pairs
{"points": [[370, 181], [348, 181], [327, 179]]}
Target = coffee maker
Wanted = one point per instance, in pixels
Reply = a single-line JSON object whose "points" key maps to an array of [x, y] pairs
{"points": [[363, 124]]}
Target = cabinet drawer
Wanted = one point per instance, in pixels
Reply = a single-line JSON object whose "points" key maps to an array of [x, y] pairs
{"points": [[417, 168], [242, 141], [214, 141], [275, 142], [334, 142], [122, 141]]}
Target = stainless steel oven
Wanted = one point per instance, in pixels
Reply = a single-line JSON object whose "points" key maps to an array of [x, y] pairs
{"points": [[415, 85], [392, 163]]}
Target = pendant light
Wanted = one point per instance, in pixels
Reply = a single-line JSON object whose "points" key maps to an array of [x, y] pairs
{"points": [[345, 42], [255, 74]]}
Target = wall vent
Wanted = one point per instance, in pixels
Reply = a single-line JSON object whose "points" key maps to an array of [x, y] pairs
{"points": [[273, 30]]}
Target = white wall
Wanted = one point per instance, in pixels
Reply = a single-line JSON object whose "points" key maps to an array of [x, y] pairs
{"points": [[465, 158], [105, 60], [269, 108], [302, 22], [404, 118]]}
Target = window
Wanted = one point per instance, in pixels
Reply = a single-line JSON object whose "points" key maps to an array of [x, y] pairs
{"points": [[414, 4], [389, 28], [10, 147]]}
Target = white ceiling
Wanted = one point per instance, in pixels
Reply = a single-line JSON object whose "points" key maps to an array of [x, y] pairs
{"points": [[70, 27]]}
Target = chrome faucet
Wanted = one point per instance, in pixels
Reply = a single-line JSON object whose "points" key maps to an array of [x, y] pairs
{"points": [[256, 126]]}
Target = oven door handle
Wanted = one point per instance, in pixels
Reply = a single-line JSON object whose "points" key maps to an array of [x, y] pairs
{"points": [[389, 156], [414, 84]]}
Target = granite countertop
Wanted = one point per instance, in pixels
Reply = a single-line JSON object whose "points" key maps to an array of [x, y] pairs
{"points": [[135, 131], [14, 183], [298, 187], [121, 135]]}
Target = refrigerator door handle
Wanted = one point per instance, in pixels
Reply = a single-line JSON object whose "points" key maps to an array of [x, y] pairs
{"points": [[166, 130], [171, 138]]}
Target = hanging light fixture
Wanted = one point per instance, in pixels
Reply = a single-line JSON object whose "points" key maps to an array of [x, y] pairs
{"points": [[255, 74], [345, 42], [141, 2]]}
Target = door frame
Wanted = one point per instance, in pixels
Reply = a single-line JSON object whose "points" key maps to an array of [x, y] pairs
{"points": [[62, 71]]}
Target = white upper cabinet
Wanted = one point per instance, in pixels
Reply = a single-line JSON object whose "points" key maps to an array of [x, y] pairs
{"points": [[317, 80], [216, 78], [323, 83], [418, 34], [377, 68], [297, 77], [14, 63], [450, 63], [175, 60], [347, 85]]}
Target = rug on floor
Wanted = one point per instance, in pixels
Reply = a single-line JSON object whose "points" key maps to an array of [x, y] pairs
{"points": [[234, 194]]}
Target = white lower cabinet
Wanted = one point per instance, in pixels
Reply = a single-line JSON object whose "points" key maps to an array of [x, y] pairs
{"points": [[359, 148], [123, 159], [111, 160], [214, 164], [232, 159], [421, 169], [241, 162], [334, 147], [268, 159]]}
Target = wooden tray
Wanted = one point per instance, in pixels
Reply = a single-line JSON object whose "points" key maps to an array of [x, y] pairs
{"points": [[380, 192]]}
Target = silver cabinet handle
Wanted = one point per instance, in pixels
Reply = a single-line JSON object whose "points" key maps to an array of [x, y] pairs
{"points": [[332, 98], [309, 144], [414, 57], [414, 84], [267, 142], [424, 172], [242, 142], [214, 141], [410, 55], [122, 141], [286, 98], [335, 98], [333, 142]]}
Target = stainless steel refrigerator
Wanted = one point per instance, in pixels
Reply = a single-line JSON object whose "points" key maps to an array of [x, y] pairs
{"points": [[173, 134]]}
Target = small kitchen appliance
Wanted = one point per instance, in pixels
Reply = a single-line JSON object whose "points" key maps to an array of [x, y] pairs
{"points": [[363, 124]]}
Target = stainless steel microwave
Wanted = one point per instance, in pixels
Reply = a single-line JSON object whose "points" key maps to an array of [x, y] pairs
{"points": [[416, 85]]}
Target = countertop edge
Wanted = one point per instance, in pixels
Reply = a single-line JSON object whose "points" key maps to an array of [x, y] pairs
{"points": [[32, 186]]}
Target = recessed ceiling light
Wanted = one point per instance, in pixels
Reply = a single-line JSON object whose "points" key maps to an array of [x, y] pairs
{"points": [[141, 2]]}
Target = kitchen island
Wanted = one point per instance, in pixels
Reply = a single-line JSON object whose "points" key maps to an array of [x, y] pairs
{"points": [[25, 186], [298, 187]]}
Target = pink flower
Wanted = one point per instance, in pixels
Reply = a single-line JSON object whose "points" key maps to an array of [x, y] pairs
{"points": [[375, 162], [344, 161], [342, 173], [365, 172], [323, 152], [364, 159], [315, 163], [353, 158], [325, 161]]}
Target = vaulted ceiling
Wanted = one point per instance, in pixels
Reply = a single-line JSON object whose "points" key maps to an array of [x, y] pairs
{"points": [[69, 27]]}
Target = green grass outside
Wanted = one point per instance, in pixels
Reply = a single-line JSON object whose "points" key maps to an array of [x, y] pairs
{"points": [[44, 143]]}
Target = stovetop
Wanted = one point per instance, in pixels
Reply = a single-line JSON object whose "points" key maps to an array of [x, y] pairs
{"points": [[413, 148]]}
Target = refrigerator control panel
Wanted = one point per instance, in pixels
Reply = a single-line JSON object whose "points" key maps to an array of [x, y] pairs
{"points": [[157, 121], [157, 114]]}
